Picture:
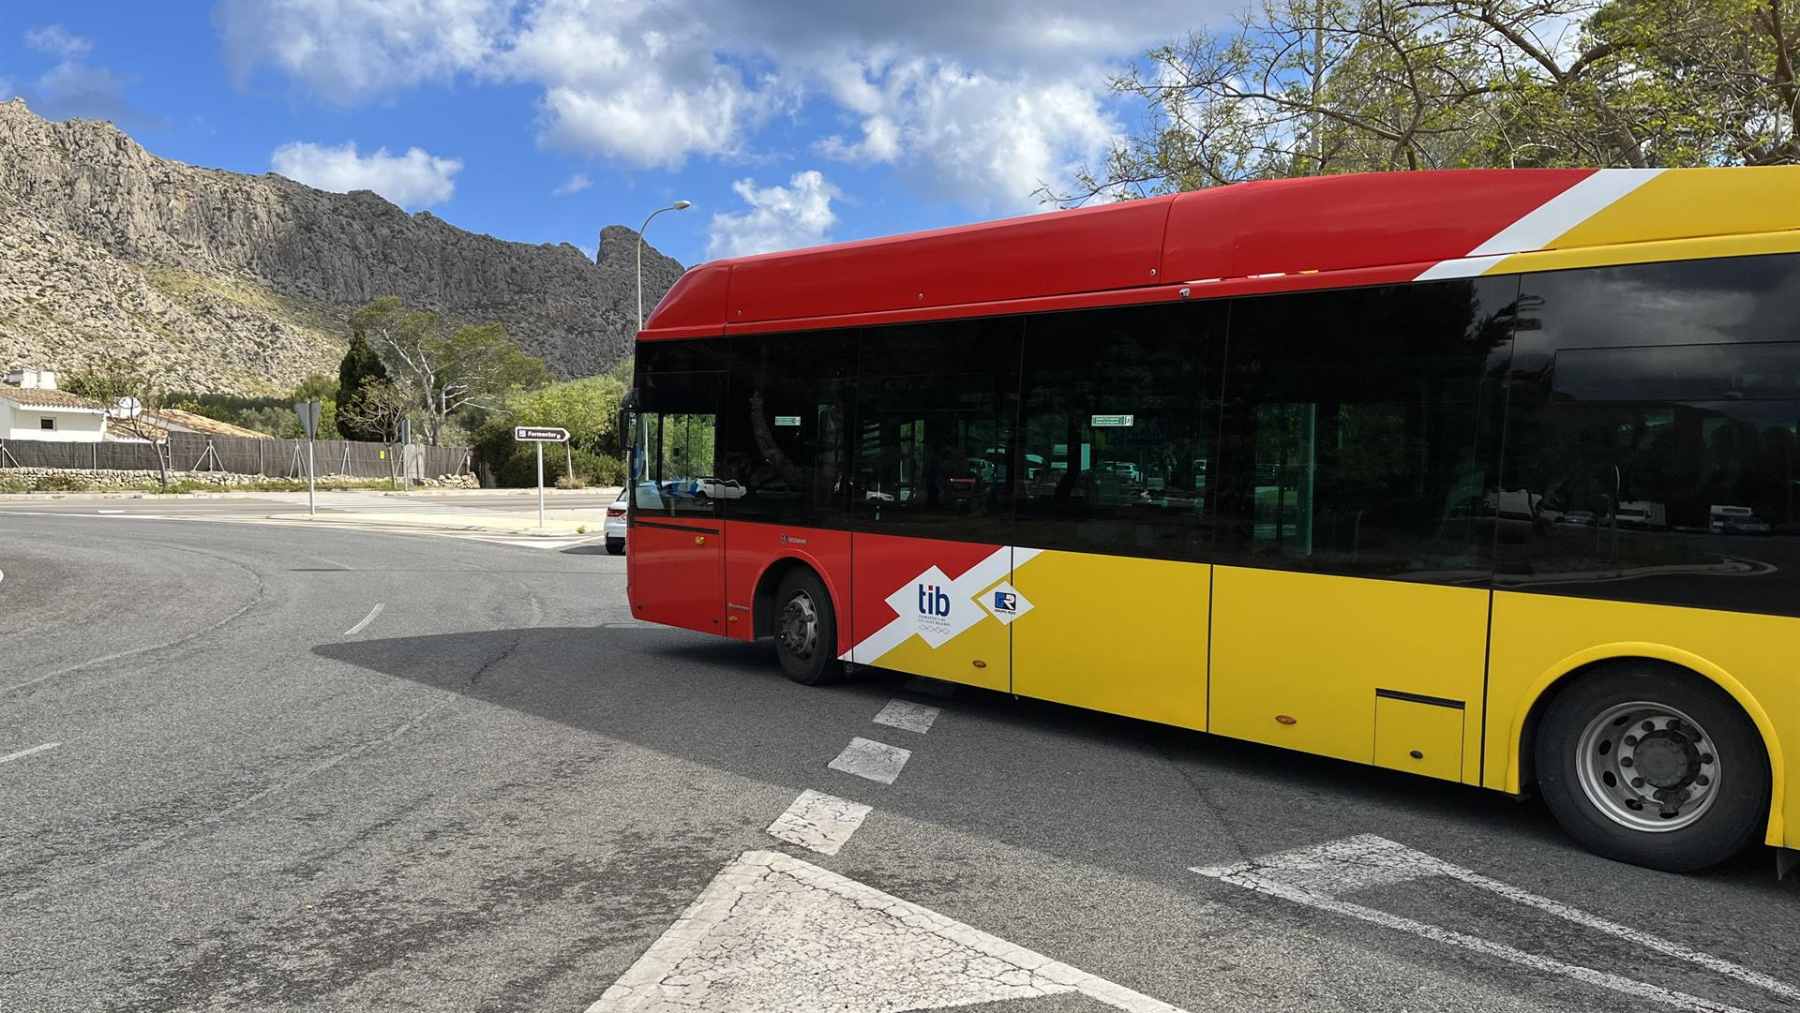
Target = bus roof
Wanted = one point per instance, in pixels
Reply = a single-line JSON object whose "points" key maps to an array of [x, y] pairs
{"points": [[1276, 235]]}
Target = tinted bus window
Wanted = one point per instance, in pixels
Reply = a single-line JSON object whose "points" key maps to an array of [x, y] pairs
{"points": [[674, 467], [1362, 429], [1118, 432], [786, 429], [1652, 431], [933, 438]]}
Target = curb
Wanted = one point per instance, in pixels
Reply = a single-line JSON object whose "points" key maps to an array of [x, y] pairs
{"points": [[404, 525]]}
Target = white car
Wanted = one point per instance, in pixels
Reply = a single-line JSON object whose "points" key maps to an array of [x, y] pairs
{"points": [[615, 524]]}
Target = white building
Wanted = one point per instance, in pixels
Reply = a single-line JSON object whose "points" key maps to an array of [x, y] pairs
{"points": [[31, 408]]}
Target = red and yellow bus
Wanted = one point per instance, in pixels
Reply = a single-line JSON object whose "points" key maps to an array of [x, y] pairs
{"points": [[1424, 471]]}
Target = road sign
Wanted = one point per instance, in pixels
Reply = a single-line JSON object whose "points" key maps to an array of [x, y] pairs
{"points": [[309, 421], [540, 434], [309, 417], [1113, 421]]}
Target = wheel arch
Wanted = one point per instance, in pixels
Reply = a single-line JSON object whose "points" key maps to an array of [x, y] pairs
{"points": [[762, 602], [1556, 677]]}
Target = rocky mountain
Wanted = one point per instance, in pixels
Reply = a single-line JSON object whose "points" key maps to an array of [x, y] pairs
{"points": [[234, 283]]}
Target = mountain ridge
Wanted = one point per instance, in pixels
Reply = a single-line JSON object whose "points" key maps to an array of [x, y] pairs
{"points": [[235, 283]]}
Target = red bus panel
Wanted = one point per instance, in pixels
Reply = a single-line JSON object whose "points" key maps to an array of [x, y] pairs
{"points": [[695, 552]]}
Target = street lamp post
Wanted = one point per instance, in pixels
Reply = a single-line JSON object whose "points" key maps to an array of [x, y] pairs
{"points": [[680, 205]]}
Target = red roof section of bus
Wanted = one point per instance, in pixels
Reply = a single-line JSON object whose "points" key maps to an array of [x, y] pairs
{"points": [[1363, 223]]}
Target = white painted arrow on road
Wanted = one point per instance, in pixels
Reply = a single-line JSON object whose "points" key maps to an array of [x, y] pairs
{"points": [[774, 933]]}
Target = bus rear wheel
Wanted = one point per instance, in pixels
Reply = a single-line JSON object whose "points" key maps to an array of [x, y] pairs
{"points": [[806, 630], [1650, 764]]}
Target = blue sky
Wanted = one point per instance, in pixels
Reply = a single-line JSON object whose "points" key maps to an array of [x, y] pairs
{"points": [[787, 124]]}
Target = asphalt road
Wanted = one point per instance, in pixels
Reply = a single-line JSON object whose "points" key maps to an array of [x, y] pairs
{"points": [[327, 769]]}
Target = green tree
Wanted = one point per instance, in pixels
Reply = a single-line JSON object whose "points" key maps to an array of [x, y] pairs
{"points": [[360, 366], [1306, 87], [444, 369], [587, 408]]}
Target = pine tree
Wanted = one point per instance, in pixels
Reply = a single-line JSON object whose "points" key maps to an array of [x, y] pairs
{"points": [[361, 366]]}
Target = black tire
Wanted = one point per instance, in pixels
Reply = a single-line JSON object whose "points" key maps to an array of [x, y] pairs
{"points": [[615, 546], [1737, 778], [805, 628]]}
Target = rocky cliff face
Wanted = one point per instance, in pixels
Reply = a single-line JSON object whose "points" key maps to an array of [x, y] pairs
{"points": [[228, 282]]}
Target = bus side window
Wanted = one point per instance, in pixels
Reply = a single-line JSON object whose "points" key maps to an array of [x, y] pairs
{"points": [[1653, 432], [1119, 416], [1362, 427]]}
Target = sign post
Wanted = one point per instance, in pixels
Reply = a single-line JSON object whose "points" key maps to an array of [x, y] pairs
{"points": [[540, 435], [309, 421], [405, 443]]}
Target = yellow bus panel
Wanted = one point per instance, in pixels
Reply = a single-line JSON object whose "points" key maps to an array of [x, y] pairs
{"points": [[1112, 633], [1297, 658], [1539, 638], [1419, 738]]}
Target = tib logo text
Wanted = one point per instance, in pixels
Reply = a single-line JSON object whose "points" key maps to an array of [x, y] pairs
{"points": [[933, 601]]}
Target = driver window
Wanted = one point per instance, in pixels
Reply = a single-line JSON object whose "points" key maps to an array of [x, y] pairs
{"points": [[674, 464]]}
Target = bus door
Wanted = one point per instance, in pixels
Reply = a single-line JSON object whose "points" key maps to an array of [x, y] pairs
{"points": [[1119, 417], [676, 540], [1361, 437]]}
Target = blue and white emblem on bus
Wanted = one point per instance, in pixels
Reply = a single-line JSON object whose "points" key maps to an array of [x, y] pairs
{"points": [[934, 606], [1004, 602]]}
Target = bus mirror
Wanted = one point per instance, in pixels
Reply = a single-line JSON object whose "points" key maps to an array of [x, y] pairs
{"points": [[627, 409]]}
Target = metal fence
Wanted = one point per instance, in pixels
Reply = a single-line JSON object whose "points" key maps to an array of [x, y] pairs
{"points": [[240, 455]]}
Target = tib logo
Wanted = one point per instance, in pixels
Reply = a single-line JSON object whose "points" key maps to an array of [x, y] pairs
{"points": [[933, 601]]}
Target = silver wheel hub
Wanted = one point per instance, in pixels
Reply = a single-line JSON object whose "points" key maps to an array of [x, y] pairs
{"points": [[1648, 766], [798, 626]]}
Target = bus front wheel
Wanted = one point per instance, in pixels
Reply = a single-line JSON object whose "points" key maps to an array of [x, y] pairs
{"points": [[1653, 765], [806, 630]]}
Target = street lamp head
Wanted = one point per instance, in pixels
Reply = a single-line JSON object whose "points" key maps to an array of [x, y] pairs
{"points": [[683, 205]]}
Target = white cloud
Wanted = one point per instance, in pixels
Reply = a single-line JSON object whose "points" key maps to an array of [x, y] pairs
{"points": [[778, 217], [414, 180], [58, 41], [73, 87], [574, 184], [348, 50], [979, 100], [986, 141]]}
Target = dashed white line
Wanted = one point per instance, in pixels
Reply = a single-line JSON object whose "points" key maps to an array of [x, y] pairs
{"points": [[819, 822], [21, 754], [876, 761], [913, 717], [359, 627]]}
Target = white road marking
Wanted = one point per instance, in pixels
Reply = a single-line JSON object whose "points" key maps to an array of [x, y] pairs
{"points": [[1317, 876], [21, 754], [772, 932], [359, 627], [819, 822], [913, 717], [876, 761], [109, 511]]}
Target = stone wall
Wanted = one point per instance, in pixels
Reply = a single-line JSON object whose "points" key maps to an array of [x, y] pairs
{"points": [[62, 479]]}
